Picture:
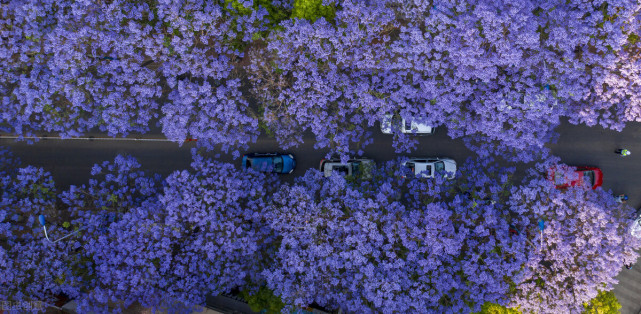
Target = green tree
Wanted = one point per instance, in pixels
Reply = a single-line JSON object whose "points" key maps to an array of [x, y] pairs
{"points": [[604, 303], [493, 308], [313, 9], [263, 300], [275, 16]]}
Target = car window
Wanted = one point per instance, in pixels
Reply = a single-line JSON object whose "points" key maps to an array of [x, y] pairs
{"points": [[392, 123], [408, 125], [428, 169], [588, 178], [278, 164], [439, 166], [341, 170], [386, 122], [559, 179], [356, 167]]}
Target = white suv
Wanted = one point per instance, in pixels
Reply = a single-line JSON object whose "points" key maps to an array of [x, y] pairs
{"points": [[635, 228], [427, 167], [352, 167], [395, 122]]}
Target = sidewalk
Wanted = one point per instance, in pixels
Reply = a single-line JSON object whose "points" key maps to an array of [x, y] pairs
{"points": [[214, 305], [628, 290]]}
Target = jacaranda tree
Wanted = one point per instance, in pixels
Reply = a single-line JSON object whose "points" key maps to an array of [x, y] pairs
{"points": [[169, 246], [116, 210], [583, 246], [32, 267], [392, 243], [501, 74]]}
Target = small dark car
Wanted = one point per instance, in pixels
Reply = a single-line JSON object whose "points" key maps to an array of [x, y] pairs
{"points": [[269, 162]]}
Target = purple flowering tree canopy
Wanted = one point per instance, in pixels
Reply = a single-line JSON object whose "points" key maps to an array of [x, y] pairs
{"points": [[394, 243], [170, 244], [31, 267], [585, 243], [500, 74]]}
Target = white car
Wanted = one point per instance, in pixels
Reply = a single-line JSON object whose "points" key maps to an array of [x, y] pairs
{"points": [[352, 167], [427, 167], [395, 122], [635, 228]]}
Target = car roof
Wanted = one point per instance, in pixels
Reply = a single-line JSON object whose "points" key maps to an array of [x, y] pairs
{"points": [[329, 165], [420, 127], [261, 162], [422, 166], [424, 159], [387, 120]]}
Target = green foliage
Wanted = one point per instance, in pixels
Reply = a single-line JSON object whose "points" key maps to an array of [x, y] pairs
{"points": [[604, 303], [312, 10], [39, 190], [256, 36], [82, 268], [262, 124], [633, 39], [112, 198], [275, 13], [263, 300], [237, 7], [493, 308], [60, 280]]}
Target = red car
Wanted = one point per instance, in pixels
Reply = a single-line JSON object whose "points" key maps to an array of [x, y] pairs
{"points": [[583, 176]]}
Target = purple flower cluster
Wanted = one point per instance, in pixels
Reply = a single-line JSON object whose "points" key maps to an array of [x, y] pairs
{"points": [[499, 74], [397, 245], [389, 242], [168, 244], [30, 266], [69, 67], [585, 243]]}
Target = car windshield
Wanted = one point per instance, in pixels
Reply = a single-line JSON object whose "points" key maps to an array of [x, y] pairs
{"points": [[356, 167], [391, 123], [278, 164], [588, 178], [439, 166]]}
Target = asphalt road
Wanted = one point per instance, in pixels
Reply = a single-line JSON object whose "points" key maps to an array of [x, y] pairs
{"points": [[70, 162]]}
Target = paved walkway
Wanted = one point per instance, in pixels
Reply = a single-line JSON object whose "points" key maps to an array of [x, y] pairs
{"points": [[628, 291]]}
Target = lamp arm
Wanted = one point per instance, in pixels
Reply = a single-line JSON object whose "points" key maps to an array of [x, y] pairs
{"points": [[70, 234]]}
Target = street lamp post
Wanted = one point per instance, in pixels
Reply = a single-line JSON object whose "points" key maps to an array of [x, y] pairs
{"points": [[541, 227]]}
